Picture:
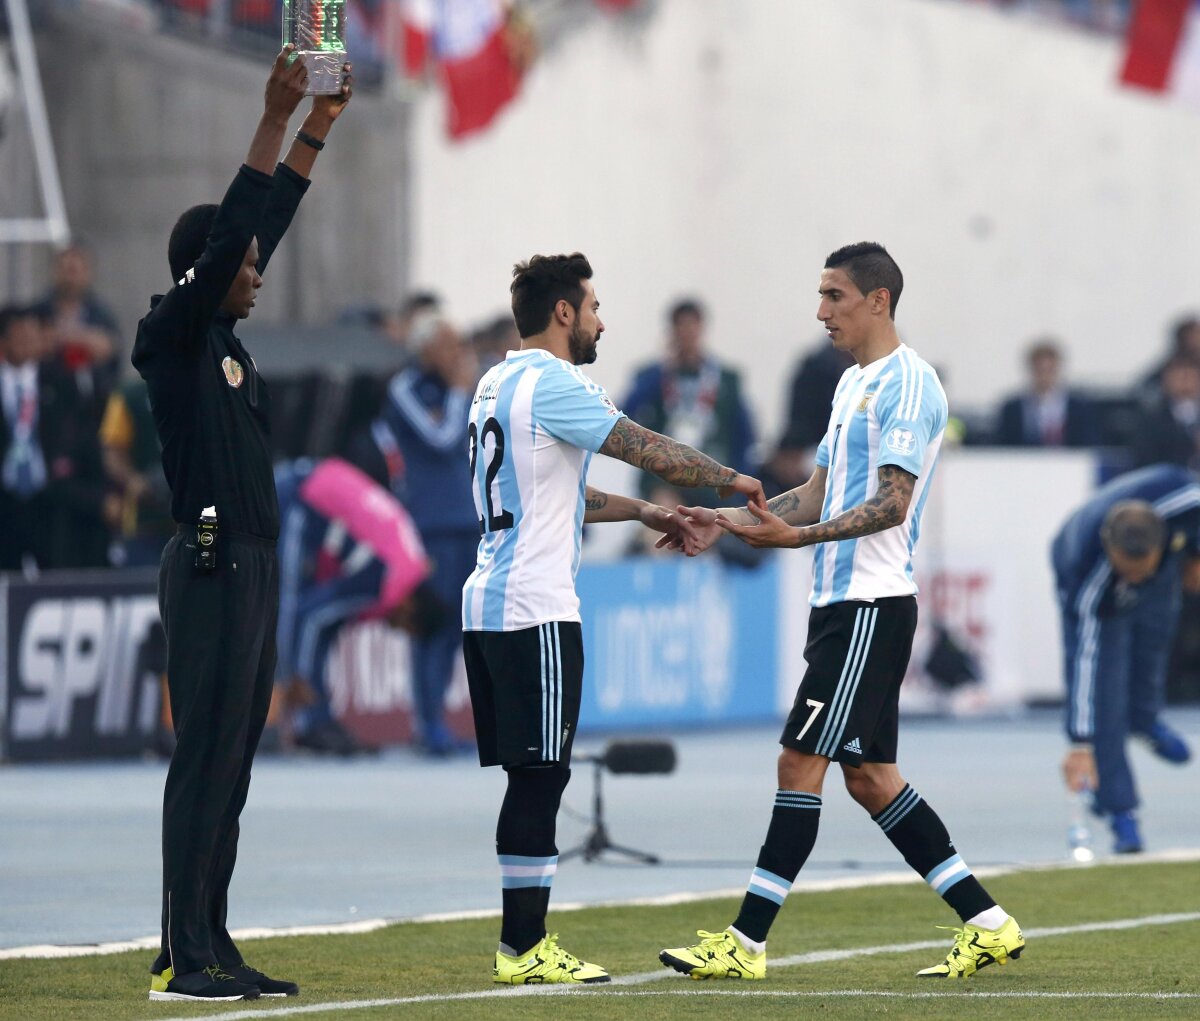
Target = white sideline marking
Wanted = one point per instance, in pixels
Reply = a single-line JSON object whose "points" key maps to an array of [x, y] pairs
{"points": [[783, 962], [51, 950]]}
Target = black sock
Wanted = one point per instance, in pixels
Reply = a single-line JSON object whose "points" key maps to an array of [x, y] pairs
{"points": [[527, 853], [918, 834], [790, 840]]}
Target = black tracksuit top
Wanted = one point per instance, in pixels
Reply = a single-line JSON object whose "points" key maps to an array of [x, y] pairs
{"points": [[211, 407]]}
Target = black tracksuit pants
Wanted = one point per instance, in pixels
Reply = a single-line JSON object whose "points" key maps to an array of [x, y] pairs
{"points": [[220, 669]]}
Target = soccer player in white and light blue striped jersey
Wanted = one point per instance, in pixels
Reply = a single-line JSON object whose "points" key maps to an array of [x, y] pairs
{"points": [[862, 510], [535, 422]]}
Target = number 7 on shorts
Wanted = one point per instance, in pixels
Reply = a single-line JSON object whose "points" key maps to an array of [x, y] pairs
{"points": [[816, 708]]}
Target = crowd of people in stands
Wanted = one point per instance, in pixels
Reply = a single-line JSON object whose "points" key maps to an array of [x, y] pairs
{"points": [[81, 483]]}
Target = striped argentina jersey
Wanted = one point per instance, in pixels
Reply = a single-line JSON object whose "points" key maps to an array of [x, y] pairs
{"points": [[535, 422], [892, 411]]}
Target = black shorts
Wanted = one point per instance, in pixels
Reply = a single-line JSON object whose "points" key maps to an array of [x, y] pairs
{"points": [[525, 688], [847, 708]]}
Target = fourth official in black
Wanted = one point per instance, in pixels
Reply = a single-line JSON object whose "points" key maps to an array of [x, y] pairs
{"points": [[219, 579]]}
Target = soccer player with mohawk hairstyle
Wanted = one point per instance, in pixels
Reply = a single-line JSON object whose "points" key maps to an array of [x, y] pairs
{"points": [[862, 509]]}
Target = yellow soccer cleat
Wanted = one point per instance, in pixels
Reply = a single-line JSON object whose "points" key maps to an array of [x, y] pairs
{"points": [[717, 955], [976, 948], [546, 963]]}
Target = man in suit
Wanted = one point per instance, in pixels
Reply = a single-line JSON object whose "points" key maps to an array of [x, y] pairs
{"points": [[51, 479], [1046, 413], [1168, 431]]}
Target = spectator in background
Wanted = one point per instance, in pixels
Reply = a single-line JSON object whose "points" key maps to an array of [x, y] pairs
{"points": [[417, 448], [493, 341], [810, 397], [1046, 413], [83, 329], [693, 397], [133, 464], [1185, 343], [417, 307], [51, 482], [1168, 431], [395, 326]]}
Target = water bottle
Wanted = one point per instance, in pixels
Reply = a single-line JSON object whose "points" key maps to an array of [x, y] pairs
{"points": [[1079, 832], [317, 28]]}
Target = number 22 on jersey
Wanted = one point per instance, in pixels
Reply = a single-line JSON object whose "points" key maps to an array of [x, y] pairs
{"points": [[495, 518]]}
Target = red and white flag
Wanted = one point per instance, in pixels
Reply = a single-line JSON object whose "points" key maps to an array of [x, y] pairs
{"points": [[1162, 50], [416, 22], [479, 54]]}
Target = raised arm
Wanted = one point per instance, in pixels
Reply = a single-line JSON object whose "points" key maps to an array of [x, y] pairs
{"points": [[181, 319], [291, 177], [887, 508], [676, 462], [285, 89]]}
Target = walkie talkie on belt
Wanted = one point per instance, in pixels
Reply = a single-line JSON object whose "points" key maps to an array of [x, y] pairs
{"points": [[206, 540]]}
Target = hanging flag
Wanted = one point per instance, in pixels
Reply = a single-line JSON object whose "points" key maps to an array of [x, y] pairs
{"points": [[480, 48], [417, 21], [1162, 52]]}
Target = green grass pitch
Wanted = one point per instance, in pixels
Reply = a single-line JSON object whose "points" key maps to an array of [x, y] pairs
{"points": [[1150, 969]]}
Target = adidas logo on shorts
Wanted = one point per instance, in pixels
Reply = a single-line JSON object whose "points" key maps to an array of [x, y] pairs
{"points": [[852, 746]]}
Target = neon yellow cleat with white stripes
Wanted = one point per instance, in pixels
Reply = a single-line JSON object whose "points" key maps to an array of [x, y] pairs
{"points": [[976, 948], [546, 963], [717, 955]]}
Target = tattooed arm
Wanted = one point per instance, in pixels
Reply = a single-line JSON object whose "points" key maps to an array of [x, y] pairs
{"points": [[799, 506], [600, 507], [676, 462], [886, 509]]}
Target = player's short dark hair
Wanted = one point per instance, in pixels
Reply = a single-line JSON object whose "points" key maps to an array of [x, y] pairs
{"points": [[188, 238], [870, 267], [1133, 528], [541, 283], [685, 307]]}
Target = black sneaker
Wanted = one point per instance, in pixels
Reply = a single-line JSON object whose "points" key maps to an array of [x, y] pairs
{"points": [[213, 983], [266, 986]]}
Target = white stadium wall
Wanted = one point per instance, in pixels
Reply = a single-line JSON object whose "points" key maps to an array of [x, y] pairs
{"points": [[731, 146]]}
